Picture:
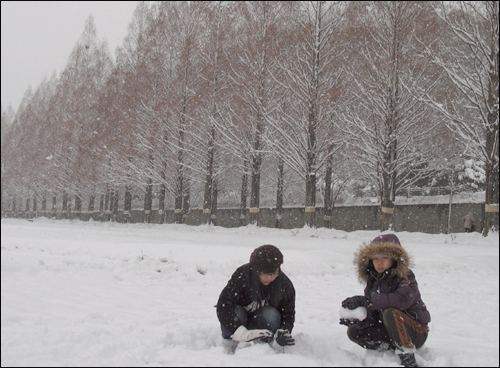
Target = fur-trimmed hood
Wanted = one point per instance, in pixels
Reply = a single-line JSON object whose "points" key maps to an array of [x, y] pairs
{"points": [[387, 245]]}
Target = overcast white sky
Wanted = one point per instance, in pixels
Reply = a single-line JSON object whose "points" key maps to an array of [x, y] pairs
{"points": [[38, 37]]}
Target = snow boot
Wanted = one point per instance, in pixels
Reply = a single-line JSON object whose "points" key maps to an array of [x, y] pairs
{"points": [[408, 360], [385, 346]]}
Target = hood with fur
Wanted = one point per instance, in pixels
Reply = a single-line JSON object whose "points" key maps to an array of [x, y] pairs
{"points": [[386, 245]]}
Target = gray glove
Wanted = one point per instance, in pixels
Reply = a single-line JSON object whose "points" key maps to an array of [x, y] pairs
{"points": [[242, 334]]}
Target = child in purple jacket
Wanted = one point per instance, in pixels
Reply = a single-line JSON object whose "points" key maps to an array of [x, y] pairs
{"points": [[397, 318]]}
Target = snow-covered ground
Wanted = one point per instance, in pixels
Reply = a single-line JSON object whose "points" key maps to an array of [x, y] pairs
{"points": [[108, 294]]}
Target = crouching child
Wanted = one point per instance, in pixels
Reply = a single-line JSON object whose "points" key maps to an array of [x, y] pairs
{"points": [[396, 317], [258, 302]]}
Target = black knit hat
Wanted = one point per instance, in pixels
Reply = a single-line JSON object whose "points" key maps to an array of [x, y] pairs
{"points": [[266, 258]]}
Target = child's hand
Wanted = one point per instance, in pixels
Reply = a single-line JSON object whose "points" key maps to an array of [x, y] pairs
{"points": [[355, 302], [284, 338], [349, 322], [242, 334]]}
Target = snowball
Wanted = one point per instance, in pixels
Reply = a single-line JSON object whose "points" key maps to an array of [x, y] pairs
{"points": [[358, 313]]}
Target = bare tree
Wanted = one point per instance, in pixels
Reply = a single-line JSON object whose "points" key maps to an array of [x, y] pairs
{"points": [[471, 64], [132, 96], [16, 166], [73, 114], [213, 100], [388, 123], [311, 78], [59, 120], [252, 72], [185, 21], [7, 118]]}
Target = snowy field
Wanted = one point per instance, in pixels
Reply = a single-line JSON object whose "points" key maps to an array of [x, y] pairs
{"points": [[108, 294]]}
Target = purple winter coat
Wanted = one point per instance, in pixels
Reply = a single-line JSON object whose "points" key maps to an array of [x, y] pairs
{"points": [[396, 287]]}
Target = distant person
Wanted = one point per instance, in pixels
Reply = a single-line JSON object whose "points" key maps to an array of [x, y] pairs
{"points": [[258, 302], [396, 317], [468, 220]]}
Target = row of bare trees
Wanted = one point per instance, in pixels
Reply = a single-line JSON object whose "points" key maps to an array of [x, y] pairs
{"points": [[239, 102]]}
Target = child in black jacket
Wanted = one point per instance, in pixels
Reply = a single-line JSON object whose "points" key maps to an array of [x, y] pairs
{"points": [[258, 302]]}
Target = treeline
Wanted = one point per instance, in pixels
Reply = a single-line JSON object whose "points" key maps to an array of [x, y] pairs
{"points": [[263, 103]]}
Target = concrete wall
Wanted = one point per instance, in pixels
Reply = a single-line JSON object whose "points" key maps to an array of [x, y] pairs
{"points": [[428, 218]]}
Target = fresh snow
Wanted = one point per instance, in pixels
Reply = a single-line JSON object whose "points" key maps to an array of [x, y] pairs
{"points": [[108, 294]]}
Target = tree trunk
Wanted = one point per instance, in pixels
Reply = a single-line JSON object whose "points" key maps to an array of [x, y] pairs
{"points": [[256, 168], [127, 204], [106, 205], [387, 204], [389, 171], [148, 200], [91, 204], [101, 207], [310, 210], [161, 201], [35, 204], [207, 199], [178, 197], [255, 195], [279, 195], [452, 191], [328, 192], [244, 194], [65, 205], [111, 204], [115, 204], [54, 205], [179, 189], [14, 206], [186, 205], [44, 202], [491, 218], [213, 217], [148, 197], [27, 210], [78, 206]]}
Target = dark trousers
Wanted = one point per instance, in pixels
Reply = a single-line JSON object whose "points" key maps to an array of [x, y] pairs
{"points": [[267, 317], [397, 331], [471, 229]]}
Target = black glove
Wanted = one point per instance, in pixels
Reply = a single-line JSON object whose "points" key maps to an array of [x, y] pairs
{"points": [[349, 322], [355, 302], [284, 338]]}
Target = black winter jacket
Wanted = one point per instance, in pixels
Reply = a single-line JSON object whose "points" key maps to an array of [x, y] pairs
{"points": [[245, 289]]}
